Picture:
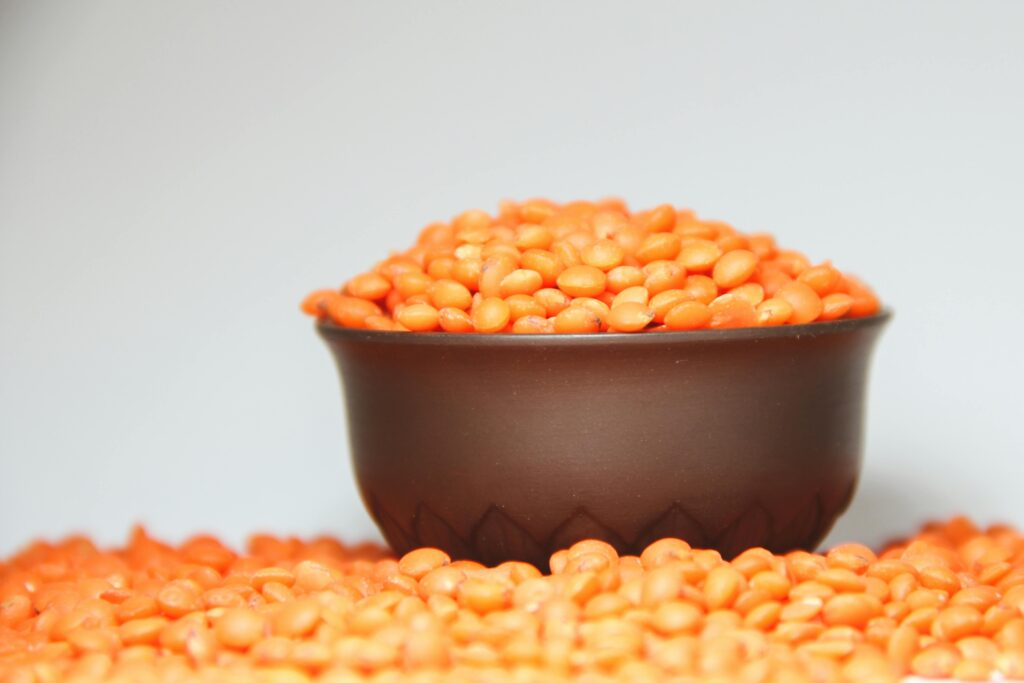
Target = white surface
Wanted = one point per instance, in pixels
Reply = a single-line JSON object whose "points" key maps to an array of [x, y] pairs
{"points": [[175, 176]]}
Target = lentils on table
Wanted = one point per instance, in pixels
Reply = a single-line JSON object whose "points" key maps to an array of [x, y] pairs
{"points": [[531, 268], [947, 603]]}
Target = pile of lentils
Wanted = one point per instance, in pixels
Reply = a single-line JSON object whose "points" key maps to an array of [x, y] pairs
{"points": [[946, 603], [539, 268]]}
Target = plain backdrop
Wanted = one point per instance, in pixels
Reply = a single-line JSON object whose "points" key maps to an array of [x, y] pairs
{"points": [[174, 176]]}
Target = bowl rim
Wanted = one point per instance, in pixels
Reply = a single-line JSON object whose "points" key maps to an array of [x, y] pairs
{"points": [[329, 330]]}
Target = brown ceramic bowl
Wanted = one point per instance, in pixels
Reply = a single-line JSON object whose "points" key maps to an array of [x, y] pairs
{"points": [[499, 447]]}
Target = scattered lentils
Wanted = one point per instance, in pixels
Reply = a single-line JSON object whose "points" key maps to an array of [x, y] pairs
{"points": [[948, 603], [533, 266]]}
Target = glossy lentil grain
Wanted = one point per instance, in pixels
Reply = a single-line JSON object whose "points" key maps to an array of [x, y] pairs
{"points": [[688, 315], [419, 317], [582, 280], [729, 311], [630, 317], [577, 320], [454, 320], [492, 315], [805, 302]]}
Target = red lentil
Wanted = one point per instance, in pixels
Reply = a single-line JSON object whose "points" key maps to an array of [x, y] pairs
{"points": [[558, 254]]}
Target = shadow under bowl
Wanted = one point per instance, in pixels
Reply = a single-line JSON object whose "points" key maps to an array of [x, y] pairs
{"points": [[510, 447]]}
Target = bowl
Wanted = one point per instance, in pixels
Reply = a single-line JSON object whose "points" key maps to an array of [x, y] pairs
{"points": [[510, 447]]}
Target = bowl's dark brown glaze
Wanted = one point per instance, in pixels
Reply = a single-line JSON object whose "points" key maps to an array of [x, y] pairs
{"points": [[498, 447]]}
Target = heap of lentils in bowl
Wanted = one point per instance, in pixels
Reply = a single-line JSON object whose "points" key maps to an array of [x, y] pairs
{"points": [[538, 267]]}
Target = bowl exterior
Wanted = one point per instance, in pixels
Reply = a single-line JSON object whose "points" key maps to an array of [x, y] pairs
{"points": [[510, 449]]}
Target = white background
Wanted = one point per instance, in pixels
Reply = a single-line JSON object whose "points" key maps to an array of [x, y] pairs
{"points": [[174, 176]]}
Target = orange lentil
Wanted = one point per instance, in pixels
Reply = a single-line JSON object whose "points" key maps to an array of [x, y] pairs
{"points": [[482, 595], [664, 550], [774, 584], [939, 578], [582, 280], [419, 317], [492, 315], [137, 607], [835, 305], [623, 277], [544, 263], [902, 585], [921, 618], [662, 302], [520, 281], [441, 268], [1011, 664], [493, 272], [178, 598], [662, 218], [865, 302], [751, 291], [664, 275], [603, 254], [598, 307], [673, 617], [533, 324], [141, 631], [638, 295], [728, 312], [447, 293], [533, 236], [802, 609], [688, 315], [750, 599], [973, 670], [978, 648], [349, 311], [771, 278], [956, 622], [936, 661], [851, 609], [659, 246], [841, 579], [771, 312], [734, 268], [521, 305], [412, 283], [1011, 635], [554, 301], [629, 317], [722, 586], [979, 597], [926, 597], [700, 288], [805, 302], [468, 271], [761, 244], [823, 279], [371, 286], [381, 323], [240, 628], [577, 320], [418, 563], [454, 320], [568, 255], [699, 256], [296, 618], [315, 303]]}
